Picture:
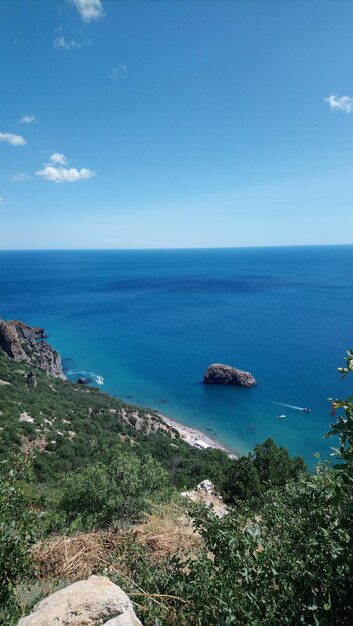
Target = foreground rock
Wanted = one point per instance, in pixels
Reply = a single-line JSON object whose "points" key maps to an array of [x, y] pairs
{"points": [[92, 602], [205, 493], [26, 344], [220, 374]]}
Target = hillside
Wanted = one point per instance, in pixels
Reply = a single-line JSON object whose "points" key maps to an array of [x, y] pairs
{"points": [[67, 425], [79, 463]]}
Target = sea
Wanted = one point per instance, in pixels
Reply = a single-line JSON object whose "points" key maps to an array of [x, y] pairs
{"points": [[144, 325]]}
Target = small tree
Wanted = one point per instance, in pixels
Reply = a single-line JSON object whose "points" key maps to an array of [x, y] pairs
{"points": [[267, 466]]}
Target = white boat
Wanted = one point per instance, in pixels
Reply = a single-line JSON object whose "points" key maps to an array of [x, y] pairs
{"points": [[280, 417]]}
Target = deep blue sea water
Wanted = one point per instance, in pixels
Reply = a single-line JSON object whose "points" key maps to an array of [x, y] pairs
{"points": [[150, 322]]}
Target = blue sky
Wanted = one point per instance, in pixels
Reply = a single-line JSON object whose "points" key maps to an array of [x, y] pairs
{"points": [[175, 123]]}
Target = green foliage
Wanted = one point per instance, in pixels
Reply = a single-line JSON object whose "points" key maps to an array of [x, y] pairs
{"points": [[343, 428], [242, 481], [268, 466], [290, 564], [349, 364], [18, 527], [60, 408], [187, 466], [113, 494]]}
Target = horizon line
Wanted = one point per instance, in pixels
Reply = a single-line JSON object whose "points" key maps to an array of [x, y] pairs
{"points": [[296, 245]]}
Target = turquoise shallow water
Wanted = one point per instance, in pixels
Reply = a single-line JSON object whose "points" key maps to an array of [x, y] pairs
{"points": [[149, 323]]}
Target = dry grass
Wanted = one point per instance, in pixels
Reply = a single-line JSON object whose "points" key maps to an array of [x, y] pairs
{"points": [[74, 557], [167, 531]]}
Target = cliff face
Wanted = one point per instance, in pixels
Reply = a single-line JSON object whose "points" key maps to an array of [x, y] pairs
{"points": [[26, 344]]}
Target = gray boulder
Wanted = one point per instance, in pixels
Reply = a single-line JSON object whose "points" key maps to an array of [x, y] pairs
{"points": [[220, 374], [92, 602]]}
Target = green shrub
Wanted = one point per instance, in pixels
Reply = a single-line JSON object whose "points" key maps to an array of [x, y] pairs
{"points": [[248, 477], [110, 494], [18, 527]]}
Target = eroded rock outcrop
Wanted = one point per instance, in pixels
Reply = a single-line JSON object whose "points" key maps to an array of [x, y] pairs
{"points": [[92, 602], [26, 344], [206, 493], [220, 374]]}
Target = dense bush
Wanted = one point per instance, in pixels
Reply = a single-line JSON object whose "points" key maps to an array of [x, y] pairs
{"points": [[18, 528], [291, 563], [267, 466], [114, 494]]}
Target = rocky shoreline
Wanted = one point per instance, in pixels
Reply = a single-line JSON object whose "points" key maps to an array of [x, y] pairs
{"points": [[24, 343], [196, 438]]}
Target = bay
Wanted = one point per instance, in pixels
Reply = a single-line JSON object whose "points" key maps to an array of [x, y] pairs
{"points": [[149, 322]]}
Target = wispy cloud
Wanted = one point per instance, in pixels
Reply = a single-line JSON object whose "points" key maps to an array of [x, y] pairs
{"points": [[27, 119], [60, 43], [89, 10], [0, 200], [58, 158], [340, 103], [14, 140], [63, 175], [20, 176], [120, 69]]}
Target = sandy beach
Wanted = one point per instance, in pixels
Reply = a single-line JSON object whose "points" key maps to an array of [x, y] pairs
{"points": [[196, 438]]}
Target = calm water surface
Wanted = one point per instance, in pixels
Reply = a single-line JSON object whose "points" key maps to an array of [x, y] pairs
{"points": [[149, 323]]}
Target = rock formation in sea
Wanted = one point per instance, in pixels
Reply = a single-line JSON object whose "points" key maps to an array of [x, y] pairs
{"points": [[26, 344], [85, 603], [220, 374]]}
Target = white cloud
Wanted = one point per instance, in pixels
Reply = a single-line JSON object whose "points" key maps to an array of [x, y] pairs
{"points": [[20, 176], [120, 69], [57, 159], [14, 140], [60, 43], [63, 175], [0, 200], [342, 103], [89, 10], [27, 119]]}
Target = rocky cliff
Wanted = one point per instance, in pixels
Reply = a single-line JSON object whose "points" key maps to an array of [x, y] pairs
{"points": [[220, 374], [27, 344]]}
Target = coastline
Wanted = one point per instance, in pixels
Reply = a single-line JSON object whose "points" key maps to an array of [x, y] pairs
{"points": [[196, 438]]}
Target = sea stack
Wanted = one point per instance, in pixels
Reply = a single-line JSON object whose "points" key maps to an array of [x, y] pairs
{"points": [[220, 374]]}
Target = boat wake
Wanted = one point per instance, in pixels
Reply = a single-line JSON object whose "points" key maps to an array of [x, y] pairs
{"points": [[289, 406], [91, 376]]}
